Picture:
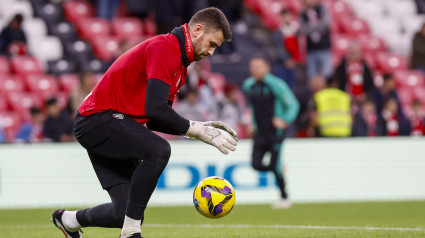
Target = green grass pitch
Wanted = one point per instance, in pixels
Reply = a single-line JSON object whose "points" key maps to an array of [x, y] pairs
{"points": [[362, 219]]}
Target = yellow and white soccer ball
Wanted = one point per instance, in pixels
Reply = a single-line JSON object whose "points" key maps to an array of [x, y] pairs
{"points": [[214, 197]]}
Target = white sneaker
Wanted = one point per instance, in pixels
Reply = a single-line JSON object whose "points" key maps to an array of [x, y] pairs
{"points": [[282, 204]]}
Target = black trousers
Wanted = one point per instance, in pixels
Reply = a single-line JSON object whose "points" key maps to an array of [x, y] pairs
{"points": [[269, 144], [128, 160]]}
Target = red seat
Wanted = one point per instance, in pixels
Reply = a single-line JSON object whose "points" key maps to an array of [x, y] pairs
{"points": [[406, 96], [271, 21], [378, 79], [420, 94], [387, 62], [105, 47], [340, 44], [149, 27], [372, 44], [354, 26], [11, 83], [4, 65], [295, 6], [45, 86], [269, 12], [25, 65], [22, 102], [133, 41], [127, 27], [409, 78], [340, 8], [10, 121], [77, 10], [370, 59], [62, 99], [3, 104], [68, 82], [90, 28]]}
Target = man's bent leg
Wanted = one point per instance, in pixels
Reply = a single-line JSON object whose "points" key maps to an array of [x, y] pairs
{"points": [[143, 183], [258, 152], [110, 215]]}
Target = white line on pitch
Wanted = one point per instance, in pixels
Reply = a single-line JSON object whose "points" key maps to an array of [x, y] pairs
{"points": [[249, 226]]}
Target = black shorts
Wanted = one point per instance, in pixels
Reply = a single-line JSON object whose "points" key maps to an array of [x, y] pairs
{"points": [[115, 143]]}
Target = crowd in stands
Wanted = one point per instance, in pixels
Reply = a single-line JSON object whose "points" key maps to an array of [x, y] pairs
{"points": [[352, 84], [322, 50]]}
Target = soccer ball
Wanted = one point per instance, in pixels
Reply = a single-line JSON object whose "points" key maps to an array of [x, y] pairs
{"points": [[214, 197]]}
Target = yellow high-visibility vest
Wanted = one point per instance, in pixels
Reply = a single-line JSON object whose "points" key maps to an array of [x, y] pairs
{"points": [[333, 108]]}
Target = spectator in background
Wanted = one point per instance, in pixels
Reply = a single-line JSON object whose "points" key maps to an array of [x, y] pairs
{"points": [[87, 83], [139, 8], [58, 126], [288, 53], [330, 111], [367, 122], [168, 14], [418, 50], [191, 108], [304, 126], [107, 9], [388, 90], [354, 76], [417, 119], [12, 38], [197, 79], [274, 108], [229, 109], [395, 123], [32, 130], [315, 26]]}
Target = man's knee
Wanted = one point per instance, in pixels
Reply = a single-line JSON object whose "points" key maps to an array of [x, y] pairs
{"points": [[159, 154]]}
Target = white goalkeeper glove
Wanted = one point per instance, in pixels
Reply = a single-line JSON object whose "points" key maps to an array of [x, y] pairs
{"points": [[215, 133]]}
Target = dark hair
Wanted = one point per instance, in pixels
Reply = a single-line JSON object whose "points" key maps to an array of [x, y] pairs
{"points": [[51, 101], [212, 18], [416, 102], [35, 111], [332, 81], [18, 18], [285, 11], [192, 91], [387, 76]]}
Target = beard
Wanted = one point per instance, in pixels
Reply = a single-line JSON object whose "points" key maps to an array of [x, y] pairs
{"points": [[197, 48]]}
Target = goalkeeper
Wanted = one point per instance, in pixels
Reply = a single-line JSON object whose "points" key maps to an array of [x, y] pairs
{"points": [[139, 88]]}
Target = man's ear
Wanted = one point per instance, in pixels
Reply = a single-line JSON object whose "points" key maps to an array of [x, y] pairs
{"points": [[198, 29]]}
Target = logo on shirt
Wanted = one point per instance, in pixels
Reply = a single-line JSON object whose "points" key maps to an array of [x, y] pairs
{"points": [[118, 116]]}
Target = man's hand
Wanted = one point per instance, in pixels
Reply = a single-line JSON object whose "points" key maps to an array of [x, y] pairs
{"points": [[223, 126], [211, 133], [279, 123]]}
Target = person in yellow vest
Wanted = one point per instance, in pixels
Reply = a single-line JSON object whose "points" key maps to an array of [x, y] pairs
{"points": [[331, 115]]}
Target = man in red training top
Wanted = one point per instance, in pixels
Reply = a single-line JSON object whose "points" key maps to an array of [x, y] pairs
{"points": [[139, 88]]}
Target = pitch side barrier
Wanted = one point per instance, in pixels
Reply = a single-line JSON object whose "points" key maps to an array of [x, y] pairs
{"points": [[317, 170]]}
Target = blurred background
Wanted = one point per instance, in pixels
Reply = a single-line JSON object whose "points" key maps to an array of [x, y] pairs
{"points": [[364, 174], [52, 53]]}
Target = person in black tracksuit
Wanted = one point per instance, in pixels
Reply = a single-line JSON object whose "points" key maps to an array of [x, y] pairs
{"points": [[274, 107]]}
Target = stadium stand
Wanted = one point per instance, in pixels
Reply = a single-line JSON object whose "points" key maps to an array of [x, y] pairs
{"points": [[66, 37]]}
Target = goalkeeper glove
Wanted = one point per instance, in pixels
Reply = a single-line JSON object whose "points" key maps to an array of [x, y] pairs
{"points": [[215, 133]]}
